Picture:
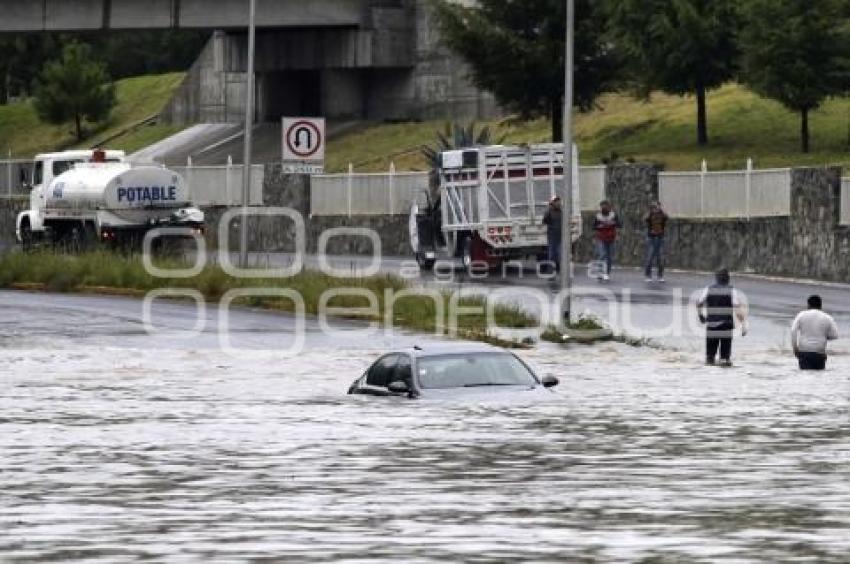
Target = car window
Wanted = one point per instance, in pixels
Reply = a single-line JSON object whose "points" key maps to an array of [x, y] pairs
{"points": [[38, 174], [476, 369], [402, 369], [382, 371]]}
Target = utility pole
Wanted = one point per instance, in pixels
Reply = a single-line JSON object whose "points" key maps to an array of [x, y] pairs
{"points": [[567, 197], [249, 123]]}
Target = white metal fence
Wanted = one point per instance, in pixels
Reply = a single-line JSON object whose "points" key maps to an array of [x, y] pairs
{"points": [[366, 193], [209, 185], [591, 186], [392, 193], [727, 194], [10, 177], [221, 185], [844, 212]]}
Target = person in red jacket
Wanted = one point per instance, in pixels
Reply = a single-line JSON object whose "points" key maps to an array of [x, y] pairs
{"points": [[605, 226]]}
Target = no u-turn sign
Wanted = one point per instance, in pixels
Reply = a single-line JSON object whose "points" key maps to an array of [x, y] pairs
{"points": [[303, 140]]}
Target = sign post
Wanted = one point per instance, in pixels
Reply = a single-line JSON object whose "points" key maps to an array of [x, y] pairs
{"points": [[567, 196], [303, 145], [249, 125]]}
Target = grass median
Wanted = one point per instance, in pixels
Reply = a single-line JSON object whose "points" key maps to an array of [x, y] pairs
{"points": [[384, 298]]}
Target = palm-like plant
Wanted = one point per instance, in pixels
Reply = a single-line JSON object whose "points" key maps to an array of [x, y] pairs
{"points": [[455, 136]]}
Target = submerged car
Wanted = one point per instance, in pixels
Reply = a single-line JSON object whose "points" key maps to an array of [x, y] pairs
{"points": [[450, 370]]}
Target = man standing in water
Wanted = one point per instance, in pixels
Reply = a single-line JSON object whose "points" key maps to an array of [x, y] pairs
{"points": [[553, 221], [718, 307], [656, 225], [605, 224], [809, 334]]}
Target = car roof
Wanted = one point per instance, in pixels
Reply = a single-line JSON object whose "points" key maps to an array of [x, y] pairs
{"points": [[437, 349]]}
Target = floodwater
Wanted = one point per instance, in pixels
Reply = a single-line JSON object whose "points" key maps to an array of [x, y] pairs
{"points": [[118, 445]]}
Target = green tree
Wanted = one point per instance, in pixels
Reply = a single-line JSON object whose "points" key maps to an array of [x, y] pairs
{"points": [[21, 57], [678, 46], [796, 52], [515, 49], [74, 87]]}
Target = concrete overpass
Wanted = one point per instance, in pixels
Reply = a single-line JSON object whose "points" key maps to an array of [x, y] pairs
{"points": [[87, 15], [343, 59]]}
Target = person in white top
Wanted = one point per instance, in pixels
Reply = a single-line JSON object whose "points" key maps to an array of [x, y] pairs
{"points": [[809, 334]]}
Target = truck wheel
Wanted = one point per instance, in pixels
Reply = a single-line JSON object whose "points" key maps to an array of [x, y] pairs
{"points": [[466, 252], [75, 240], [26, 237], [89, 236], [425, 263]]}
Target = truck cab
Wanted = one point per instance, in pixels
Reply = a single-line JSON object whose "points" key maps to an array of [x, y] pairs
{"points": [[29, 224]]}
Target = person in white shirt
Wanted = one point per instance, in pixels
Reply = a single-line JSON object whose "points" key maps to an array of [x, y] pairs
{"points": [[809, 334]]}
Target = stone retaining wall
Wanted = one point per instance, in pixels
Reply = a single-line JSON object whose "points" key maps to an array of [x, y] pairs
{"points": [[277, 234], [807, 244]]}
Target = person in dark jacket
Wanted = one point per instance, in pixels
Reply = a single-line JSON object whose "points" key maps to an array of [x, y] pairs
{"points": [[656, 226], [553, 220], [605, 226], [718, 308]]}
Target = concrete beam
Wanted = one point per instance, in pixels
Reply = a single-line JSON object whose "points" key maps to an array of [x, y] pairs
{"points": [[149, 14], [83, 15], [273, 13]]}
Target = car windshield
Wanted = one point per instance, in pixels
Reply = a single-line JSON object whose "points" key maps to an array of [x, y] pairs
{"points": [[472, 370], [61, 167]]}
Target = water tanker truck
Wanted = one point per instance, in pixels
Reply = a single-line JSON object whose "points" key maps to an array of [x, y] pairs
{"points": [[82, 198]]}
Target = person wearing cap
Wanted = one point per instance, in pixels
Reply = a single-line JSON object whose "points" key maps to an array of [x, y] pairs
{"points": [[810, 332], [553, 220], [718, 308], [656, 225]]}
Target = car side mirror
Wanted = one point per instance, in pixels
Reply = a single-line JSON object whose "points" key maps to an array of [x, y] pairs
{"points": [[549, 381], [24, 177], [399, 387]]}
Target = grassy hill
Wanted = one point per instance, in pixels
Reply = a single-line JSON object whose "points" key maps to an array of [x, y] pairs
{"points": [[661, 129], [138, 99]]}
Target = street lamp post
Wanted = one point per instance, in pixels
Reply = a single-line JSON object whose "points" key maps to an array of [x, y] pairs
{"points": [[249, 122], [567, 197]]}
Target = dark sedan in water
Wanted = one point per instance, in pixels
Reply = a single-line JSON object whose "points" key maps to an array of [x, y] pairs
{"points": [[450, 370]]}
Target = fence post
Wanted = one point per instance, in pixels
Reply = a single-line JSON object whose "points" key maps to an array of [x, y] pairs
{"points": [[9, 172], [227, 187], [703, 170], [189, 183], [749, 185], [392, 187], [348, 185]]}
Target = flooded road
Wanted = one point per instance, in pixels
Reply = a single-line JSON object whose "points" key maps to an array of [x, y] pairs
{"points": [[116, 444]]}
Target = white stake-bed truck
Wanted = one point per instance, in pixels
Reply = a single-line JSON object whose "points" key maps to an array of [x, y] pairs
{"points": [[79, 198], [491, 204]]}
